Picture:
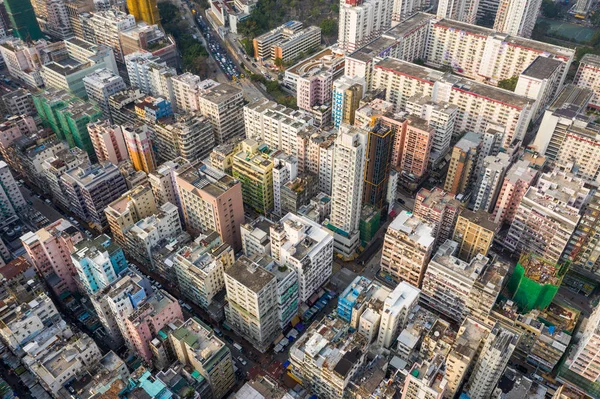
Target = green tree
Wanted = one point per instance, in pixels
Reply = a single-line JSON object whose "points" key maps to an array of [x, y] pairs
{"points": [[550, 9], [335, 8], [168, 12], [278, 62], [248, 46], [328, 27], [540, 30], [509, 84]]}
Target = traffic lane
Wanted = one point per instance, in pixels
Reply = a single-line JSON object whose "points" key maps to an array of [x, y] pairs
{"points": [[39, 205]]}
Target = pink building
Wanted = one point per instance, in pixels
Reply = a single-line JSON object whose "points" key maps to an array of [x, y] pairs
{"points": [[108, 142], [516, 182], [149, 318], [13, 128], [417, 142], [314, 90], [439, 208], [50, 251]]}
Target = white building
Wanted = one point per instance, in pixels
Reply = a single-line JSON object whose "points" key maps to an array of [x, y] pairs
{"points": [[145, 70], [517, 17], [497, 350], [306, 247], [348, 183], [276, 125], [588, 76], [103, 27], [395, 311], [540, 81], [11, 199], [361, 21], [489, 182], [459, 10], [285, 169], [100, 85]]}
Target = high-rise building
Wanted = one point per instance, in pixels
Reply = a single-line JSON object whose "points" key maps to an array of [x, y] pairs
{"points": [[440, 209], [197, 346], [211, 200], [587, 76], [347, 93], [139, 146], [377, 168], [152, 39], [395, 312], [49, 249], [144, 10], [583, 249], [464, 353], [108, 142], [348, 184], [11, 199], [328, 372], [585, 359], [104, 28], [186, 135], [22, 18], [150, 74], [547, 216], [425, 380], [449, 281], [305, 247], [251, 307], [199, 268], [136, 204], [474, 233], [287, 42], [463, 162], [285, 170], [361, 21], [100, 85], [541, 81], [316, 149], [62, 162], [517, 17], [275, 125], [73, 120], [98, 262], [163, 182], [91, 189], [222, 104], [253, 167], [520, 176], [459, 10], [415, 137], [407, 248], [497, 350]]}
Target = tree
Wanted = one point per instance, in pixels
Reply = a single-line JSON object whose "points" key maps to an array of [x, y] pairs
{"points": [[335, 8], [509, 84], [550, 9], [328, 27], [278, 62], [168, 12], [540, 30], [248, 47]]}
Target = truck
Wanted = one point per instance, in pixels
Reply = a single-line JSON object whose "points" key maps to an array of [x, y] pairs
{"points": [[237, 346]]}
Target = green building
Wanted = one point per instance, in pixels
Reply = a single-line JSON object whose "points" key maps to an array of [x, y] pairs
{"points": [[253, 167], [535, 282], [48, 103], [68, 116], [370, 220], [23, 19]]}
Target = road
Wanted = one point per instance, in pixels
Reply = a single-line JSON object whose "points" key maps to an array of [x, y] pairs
{"points": [[38, 204]]}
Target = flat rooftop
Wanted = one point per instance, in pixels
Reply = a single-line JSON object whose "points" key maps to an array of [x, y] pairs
{"points": [[481, 218], [542, 67], [248, 273], [416, 230]]}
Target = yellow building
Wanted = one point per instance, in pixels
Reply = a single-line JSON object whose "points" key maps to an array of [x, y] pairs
{"points": [[144, 10], [474, 233], [253, 167], [139, 147]]}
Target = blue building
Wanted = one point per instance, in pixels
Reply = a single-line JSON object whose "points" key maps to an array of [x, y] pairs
{"points": [[345, 100], [349, 297], [99, 262]]}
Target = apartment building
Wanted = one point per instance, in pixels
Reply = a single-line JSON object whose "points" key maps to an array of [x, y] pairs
{"points": [[540, 81], [138, 140], [200, 266], [348, 184], [263, 44], [285, 170], [458, 10], [316, 149], [150, 38], [104, 27], [586, 76], [91, 189], [463, 162], [397, 307], [54, 167], [251, 308], [134, 205], [377, 169], [362, 21], [149, 73], [306, 247], [517, 17], [287, 42], [426, 379], [42, 246], [13, 128], [416, 138], [493, 56], [163, 182], [547, 216], [221, 157], [11, 199], [489, 182], [188, 135], [327, 356], [253, 167], [222, 104], [256, 238], [18, 102], [479, 105], [275, 125], [439, 209], [519, 177], [108, 142], [407, 248], [100, 85], [197, 346], [474, 233], [211, 200], [346, 97], [98, 262], [22, 60], [584, 359]]}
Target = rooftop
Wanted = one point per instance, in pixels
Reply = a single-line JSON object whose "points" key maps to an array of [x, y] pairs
{"points": [[249, 273], [542, 68], [199, 338], [480, 218], [416, 230]]}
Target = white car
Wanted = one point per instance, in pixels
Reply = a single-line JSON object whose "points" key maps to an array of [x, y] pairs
{"points": [[242, 361]]}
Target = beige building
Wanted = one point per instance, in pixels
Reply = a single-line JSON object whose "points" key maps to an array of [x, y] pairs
{"points": [[588, 75], [253, 166], [197, 346], [211, 200], [440, 209], [463, 163], [131, 207], [108, 142], [474, 233], [407, 247]]}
